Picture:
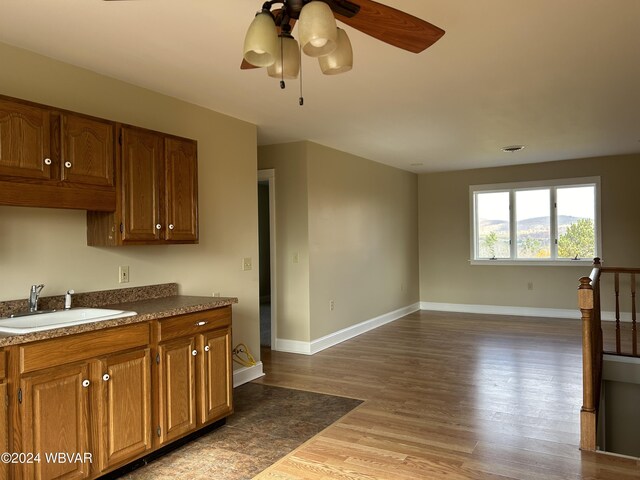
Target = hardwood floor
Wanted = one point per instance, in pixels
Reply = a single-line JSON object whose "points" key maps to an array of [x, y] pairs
{"points": [[448, 396]]}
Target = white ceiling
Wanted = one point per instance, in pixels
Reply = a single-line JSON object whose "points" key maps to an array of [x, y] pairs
{"points": [[559, 76]]}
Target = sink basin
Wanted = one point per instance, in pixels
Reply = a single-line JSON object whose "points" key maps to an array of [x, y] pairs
{"points": [[58, 319]]}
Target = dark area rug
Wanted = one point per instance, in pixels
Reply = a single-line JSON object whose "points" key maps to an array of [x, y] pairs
{"points": [[268, 423]]}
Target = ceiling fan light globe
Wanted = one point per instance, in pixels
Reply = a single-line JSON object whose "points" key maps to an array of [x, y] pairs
{"points": [[317, 28], [261, 41], [318, 42], [291, 54], [341, 59]]}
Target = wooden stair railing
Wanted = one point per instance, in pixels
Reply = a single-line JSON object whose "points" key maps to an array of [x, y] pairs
{"points": [[592, 342]]}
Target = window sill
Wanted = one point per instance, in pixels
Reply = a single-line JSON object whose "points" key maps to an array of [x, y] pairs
{"points": [[587, 262]]}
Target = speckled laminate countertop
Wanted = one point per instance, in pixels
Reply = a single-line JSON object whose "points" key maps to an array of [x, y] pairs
{"points": [[167, 305]]}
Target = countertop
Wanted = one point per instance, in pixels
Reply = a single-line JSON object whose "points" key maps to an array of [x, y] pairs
{"points": [[147, 309]]}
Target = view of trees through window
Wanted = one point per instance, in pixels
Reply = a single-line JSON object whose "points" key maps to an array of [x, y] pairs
{"points": [[537, 213]]}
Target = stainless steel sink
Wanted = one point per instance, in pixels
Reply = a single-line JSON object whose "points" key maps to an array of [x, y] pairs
{"points": [[58, 319]]}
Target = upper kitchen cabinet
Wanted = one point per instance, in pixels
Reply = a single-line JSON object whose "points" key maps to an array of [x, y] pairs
{"points": [[181, 189], [25, 149], [157, 192], [142, 215], [87, 150], [54, 158]]}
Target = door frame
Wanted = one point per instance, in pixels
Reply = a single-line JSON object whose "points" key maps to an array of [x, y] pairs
{"points": [[270, 176]]}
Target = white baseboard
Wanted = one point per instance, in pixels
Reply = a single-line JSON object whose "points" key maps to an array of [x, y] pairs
{"points": [[315, 346], [246, 374], [501, 310], [517, 311]]}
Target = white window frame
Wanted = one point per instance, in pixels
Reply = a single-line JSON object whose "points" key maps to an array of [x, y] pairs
{"points": [[553, 185]]}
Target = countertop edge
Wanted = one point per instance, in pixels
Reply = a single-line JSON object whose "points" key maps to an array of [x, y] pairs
{"points": [[146, 312]]}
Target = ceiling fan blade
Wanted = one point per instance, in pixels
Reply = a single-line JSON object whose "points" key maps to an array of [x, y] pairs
{"points": [[276, 13], [393, 26]]}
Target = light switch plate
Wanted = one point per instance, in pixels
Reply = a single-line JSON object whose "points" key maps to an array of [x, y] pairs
{"points": [[123, 274]]}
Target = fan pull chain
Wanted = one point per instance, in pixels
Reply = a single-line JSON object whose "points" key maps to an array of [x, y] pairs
{"points": [[282, 84], [301, 99]]}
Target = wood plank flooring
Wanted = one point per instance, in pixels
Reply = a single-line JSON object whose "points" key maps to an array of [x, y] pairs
{"points": [[448, 396]]}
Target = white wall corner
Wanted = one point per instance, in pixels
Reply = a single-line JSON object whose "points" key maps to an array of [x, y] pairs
{"points": [[293, 346], [315, 346], [246, 374]]}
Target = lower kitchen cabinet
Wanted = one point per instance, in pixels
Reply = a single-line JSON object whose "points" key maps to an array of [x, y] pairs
{"points": [[108, 397], [177, 382], [195, 372], [216, 374], [83, 402], [126, 407], [55, 418], [4, 416]]}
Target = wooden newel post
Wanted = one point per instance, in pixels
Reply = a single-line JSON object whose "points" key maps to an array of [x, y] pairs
{"points": [[588, 410]]}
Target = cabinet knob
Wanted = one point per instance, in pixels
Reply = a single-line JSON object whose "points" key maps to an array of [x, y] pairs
{"points": [[106, 377], [201, 323], [47, 161], [86, 383], [206, 348], [158, 226], [171, 227], [194, 352], [67, 164]]}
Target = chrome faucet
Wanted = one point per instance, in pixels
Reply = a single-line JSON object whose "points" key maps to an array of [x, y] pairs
{"points": [[33, 297]]}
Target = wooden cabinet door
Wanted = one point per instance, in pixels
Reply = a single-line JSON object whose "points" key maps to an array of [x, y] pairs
{"points": [[177, 409], [126, 411], [217, 386], [4, 439], [181, 189], [55, 419], [87, 150], [142, 167], [25, 140]]}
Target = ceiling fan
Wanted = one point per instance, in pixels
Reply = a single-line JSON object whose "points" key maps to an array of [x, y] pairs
{"points": [[382, 22]]}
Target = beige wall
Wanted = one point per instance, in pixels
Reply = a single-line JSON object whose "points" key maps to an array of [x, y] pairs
{"points": [[353, 223], [363, 239], [445, 273], [49, 246], [292, 237]]}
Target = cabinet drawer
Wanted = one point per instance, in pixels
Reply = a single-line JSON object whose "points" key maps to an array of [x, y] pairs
{"points": [[192, 323], [3, 372], [74, 348]]}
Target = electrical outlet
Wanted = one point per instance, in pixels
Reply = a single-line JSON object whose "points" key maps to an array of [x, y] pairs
{"points": [[123, 274], [296, 258], [246, 263], [530, 286], [216, 294], [332, 305]]}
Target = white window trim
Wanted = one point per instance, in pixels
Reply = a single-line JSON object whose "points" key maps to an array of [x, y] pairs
{"points": [[511, 187]]}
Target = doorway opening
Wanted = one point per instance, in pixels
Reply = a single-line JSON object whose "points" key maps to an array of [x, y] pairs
{"points": [[266, 247]]}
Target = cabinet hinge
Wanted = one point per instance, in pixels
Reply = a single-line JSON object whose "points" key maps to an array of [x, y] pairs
{"points": [[157, 359], [121, 227], [19, 395], [159, 431]]}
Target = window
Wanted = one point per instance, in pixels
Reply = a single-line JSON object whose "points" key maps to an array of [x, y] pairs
{"points": [[536, 222]]}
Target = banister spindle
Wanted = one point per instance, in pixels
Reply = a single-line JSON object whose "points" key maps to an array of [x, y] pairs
{"points": [[634, 331], [617, 287]]}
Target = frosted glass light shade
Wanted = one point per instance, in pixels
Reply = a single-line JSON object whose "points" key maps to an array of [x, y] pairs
{"points": [[261, 41], [291, 53], [317, 28], [341, 59]]}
